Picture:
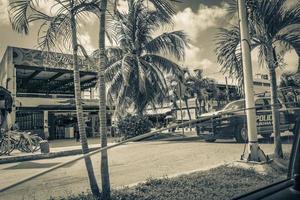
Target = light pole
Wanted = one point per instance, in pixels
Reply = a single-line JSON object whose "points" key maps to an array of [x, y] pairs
{"points": [[255, 153]]}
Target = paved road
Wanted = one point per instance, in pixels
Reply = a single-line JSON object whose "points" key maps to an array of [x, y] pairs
{"points": [[129, 164]]}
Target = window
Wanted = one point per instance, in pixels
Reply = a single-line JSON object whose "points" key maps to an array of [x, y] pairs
{"points": [[235, 105]]}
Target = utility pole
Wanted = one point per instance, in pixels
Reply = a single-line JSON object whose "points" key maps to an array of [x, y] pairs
{"points": [[254, 152]]}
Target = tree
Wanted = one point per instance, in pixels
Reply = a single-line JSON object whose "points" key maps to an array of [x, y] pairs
{"points": [[59, 28], [199, 85], [102, 101], [137, 67], [272, 24], [165, 12], [290, 79]]}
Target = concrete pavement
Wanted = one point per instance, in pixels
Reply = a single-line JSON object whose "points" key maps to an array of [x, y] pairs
{"points": [[129, 164]]}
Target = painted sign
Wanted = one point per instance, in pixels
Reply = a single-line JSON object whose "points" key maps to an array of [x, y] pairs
{"points": [[264, 120], [31, 57]]}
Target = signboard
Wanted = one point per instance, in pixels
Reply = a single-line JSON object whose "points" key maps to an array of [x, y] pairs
{"points": [[31, 57]]}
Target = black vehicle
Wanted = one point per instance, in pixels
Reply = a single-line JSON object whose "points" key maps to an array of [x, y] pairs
{"points": [[230, 122]]}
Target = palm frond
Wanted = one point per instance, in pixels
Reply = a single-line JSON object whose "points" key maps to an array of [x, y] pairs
{"points": [[227, 43], [19, 12], [289, 39], [165, 8], [142, 74], [54, 32], [164, 64], [128, 65], [289, 17], [112, 70], [172, 43]]}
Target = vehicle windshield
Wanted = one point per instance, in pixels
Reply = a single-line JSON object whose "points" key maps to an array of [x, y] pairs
{"points": [[235, 105]]}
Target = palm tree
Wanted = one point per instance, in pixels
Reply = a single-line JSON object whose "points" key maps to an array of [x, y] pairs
{"points": [[102, 101], [136, 69], [61, 27], [165, 11], [290, 79], [199, 85], [272, 24]]}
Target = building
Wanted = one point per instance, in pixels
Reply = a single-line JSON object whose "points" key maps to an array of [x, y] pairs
{"points": [[42, 89], [261, 83]]}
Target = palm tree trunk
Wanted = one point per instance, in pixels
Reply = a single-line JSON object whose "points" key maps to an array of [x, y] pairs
{"points": [[274, 102], [197, 107], [79, 112], [187, 107], [298, 69], [102, 104]]}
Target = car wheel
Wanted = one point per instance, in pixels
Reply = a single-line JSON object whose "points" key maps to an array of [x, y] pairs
{"points": [[197, 130], [241, 135], [266, 136]]}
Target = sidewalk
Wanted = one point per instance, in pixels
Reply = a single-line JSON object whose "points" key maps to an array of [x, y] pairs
{"points": [[58, 148], [69, 147]]}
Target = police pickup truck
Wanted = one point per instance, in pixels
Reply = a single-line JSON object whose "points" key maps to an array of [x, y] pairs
{"points": [[231, 122]]}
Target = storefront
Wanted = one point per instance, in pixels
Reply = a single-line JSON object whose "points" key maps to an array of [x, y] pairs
{"points": [[42, 89]]}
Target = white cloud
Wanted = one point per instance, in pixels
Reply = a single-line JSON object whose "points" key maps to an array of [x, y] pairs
{"points": [[291, 3], [3, 12], [122, 6], [193, 23], [290, 59], [193, 56], [195, 60], [86, 42], [49, 7], [206, 63]]}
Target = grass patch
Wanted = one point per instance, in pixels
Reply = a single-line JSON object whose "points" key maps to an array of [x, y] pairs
{"points": [[223, 182]]}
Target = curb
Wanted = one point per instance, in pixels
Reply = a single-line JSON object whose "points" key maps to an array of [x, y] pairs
{"points": [[44, 156]]}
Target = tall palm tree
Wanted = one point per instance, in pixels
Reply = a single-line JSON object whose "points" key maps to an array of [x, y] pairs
{"points": [[136, 69], [61, 27], [272, 24], [102, 101], [165, 11]]}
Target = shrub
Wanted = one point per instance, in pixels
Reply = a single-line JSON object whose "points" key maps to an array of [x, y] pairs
{"points": [[133, 125], [224, 182]]}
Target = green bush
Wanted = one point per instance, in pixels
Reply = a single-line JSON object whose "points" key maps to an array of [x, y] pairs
{"points": [[133, 125]]}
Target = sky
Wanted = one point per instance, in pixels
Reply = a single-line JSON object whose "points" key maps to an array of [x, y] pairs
{"points": [[200, 19]]}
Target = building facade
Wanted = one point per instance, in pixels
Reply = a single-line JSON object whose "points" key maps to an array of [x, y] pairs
{"points": [[42, 89]]}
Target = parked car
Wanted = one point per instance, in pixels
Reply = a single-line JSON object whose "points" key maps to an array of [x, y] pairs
{"points": [[230, 122]]}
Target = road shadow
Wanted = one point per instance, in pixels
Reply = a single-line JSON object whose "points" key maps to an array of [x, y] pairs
{"points": [[31, 165], [288, 139], [182, 139]]}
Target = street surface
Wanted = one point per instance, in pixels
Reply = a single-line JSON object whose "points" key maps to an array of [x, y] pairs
{"points": [[129, 164]]}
